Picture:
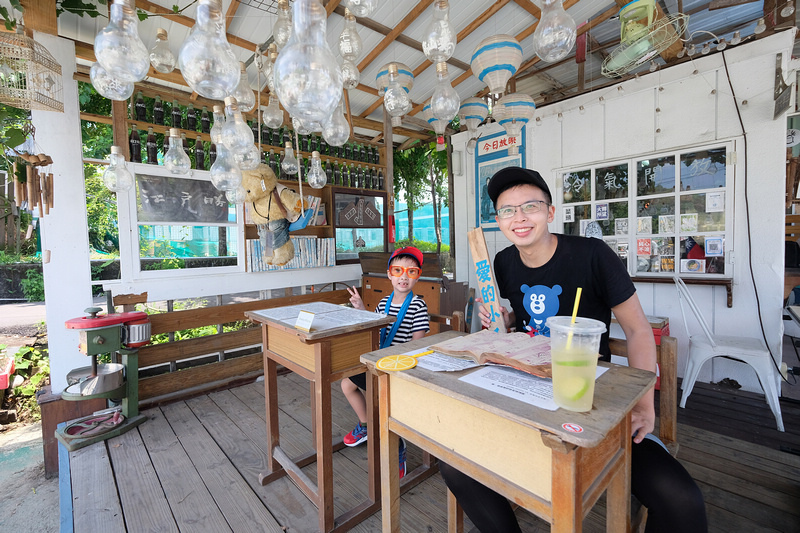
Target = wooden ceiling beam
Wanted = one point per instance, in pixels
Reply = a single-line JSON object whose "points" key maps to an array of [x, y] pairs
{"points": [[412, 15], [374, 125], [231, 12], [331, 5], [40, 15], [530, 7]]}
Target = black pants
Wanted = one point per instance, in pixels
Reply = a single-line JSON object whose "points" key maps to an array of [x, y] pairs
{"points": [[673, 500]]}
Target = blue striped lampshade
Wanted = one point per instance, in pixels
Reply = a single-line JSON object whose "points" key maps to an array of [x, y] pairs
{"points": [[512, 112], [495, 60], [438, 125], [473, 111], [405, 77]]}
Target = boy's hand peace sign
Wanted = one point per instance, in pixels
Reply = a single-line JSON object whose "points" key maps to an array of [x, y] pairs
{"points": [[355, 298]]}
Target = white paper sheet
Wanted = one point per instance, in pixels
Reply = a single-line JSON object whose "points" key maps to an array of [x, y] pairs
{"points": [[517, 385], [439, 362]]}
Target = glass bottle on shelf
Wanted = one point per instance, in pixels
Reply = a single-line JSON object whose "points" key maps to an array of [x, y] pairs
{"points": [[166, 141], [254, 129], [212, 154], [348, 151], [158, 111], [139, 108], [364, 154], [273, 162], [205, 121], [304, 142], [151, 147], [368, 176], [199, 154], [264, 134], [135, 145], [337, 174], [185, 144], [177, 115], [380, 179], [359, 177], [191, 118], [323, 146], [329, 170], [376, 156]]}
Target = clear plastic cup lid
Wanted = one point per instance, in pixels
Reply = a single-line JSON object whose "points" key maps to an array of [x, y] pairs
{"points": [[586, 326]]}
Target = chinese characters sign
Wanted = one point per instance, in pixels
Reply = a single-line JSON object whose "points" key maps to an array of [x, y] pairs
{"points": [[179, 200], [495, 144]]}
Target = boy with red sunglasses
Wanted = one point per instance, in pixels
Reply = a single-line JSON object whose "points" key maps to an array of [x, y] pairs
{"points": [[404, 269]]}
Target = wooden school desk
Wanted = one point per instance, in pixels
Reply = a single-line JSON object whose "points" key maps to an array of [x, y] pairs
{"points": [[327, 353], [521, 451]]}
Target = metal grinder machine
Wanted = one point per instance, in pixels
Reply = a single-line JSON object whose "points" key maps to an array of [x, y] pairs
{"points": [[120, 335]]}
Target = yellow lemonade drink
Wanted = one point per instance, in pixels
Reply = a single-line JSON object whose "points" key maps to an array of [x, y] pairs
{"points": [[574, 349]]}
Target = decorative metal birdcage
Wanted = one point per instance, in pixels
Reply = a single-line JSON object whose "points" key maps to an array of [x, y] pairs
{"points": [[30, 77]]}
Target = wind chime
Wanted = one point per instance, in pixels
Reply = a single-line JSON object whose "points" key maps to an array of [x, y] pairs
{"points": [[33, 183]]}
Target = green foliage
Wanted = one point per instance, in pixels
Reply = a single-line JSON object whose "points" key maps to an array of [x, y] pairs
{"points": [[79, 7], [96, 137], [424, 246], [33, 364], [168, 263], [10, 258], [101, 211], [13, 124], [33, 286]]}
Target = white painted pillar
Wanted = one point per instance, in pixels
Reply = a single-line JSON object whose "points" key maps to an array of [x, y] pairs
{"points": [[67, 277]]}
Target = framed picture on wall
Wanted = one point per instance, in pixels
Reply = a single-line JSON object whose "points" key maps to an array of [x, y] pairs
{"points": [[491, 155]]}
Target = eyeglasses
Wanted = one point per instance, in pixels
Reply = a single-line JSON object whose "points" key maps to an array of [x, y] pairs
{"points": [[397, 271], [527, 208]]}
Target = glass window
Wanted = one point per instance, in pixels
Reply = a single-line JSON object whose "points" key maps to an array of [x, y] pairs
{"points": [[577, 186], [655, 176], [701, 254], [703, 170], [581, 212], [611, 182], [661, 214], [702, 212], [607, 215]]}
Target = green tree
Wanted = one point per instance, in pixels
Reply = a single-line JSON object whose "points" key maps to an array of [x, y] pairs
{"points": [[410, 177], [101, 211]]}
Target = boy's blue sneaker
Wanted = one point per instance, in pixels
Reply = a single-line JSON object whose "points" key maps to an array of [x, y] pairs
{"points": [[402, 447], [356, 437]]}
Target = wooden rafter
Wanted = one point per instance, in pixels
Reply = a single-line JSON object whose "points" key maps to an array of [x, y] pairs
{"points": [[412, 15], [231, 12]]}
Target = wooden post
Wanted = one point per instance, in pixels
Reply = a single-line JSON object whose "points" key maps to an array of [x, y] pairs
{"points": [[389, 162], [451, 202], [40, 15], [119, 124], [485, 274]]}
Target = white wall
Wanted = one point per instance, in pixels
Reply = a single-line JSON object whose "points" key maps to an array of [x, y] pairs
{"points": [[688, 108]]}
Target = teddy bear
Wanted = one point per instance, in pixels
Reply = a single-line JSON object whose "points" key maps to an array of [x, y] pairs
{"points": [[273, 207]]}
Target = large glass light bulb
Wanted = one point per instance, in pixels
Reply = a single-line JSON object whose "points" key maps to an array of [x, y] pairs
{"points": [[350, 74], [118, 47], [245, 97], [249, 159], [206, 59], [308, 80], [788, 9], [761, 27], [336, 130], [349, 39], [362, 8], [316, 176], [225, 172], [236, 195], [439, 126], [117, 177], [108, 86], [219, 123], [236, 134], [176, 160], [555, 34], [301, 127], [445, 100], [161, 57], [273, 115], [282, 29], [395, 98], [439, 40], [289, 164]]}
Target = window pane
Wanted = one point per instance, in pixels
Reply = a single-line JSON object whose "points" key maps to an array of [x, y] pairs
{"points": [[702, 212], [187, 246], [577, 186], [655, 176], [702, 254], [661, 214], [582, 212], [611, 182], [608, 214], [655, 255], [181, 200], [351, 241], [703, 170]]}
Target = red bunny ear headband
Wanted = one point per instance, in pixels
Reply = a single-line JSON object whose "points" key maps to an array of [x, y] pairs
{"points": [[407, 250]]}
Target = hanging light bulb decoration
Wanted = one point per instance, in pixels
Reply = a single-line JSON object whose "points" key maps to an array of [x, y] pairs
{"points": [[349, 39], [108, 86], [176, 160], [336, 130], [245, 97], [269, 67], [350, 74], [219, 123], [439, 126], [205, 58], [273, 115], [556, 32], [308, 80], [395, 98], [473, 111], [161, 57], [289, 164], [445, 100], [404, 76], [282, 29], [512, 112], [495, 60], [439, 40], [249, 159], [362, 8], [236, 134], [316, 176], [300, 127], [225, 172], [116, 176], [237, 195], [118, 47]]}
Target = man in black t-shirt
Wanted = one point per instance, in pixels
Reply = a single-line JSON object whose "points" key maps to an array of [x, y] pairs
{"points": [[539, 275]]}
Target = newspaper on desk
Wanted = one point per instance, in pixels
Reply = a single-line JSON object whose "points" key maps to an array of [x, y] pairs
{"points": [[326, 315], [501, 379]]}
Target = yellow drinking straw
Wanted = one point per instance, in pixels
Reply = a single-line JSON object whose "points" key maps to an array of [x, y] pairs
{"points": [[574, 314]]}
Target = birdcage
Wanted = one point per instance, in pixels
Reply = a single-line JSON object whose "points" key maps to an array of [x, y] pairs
{"points": [[30, 78]]}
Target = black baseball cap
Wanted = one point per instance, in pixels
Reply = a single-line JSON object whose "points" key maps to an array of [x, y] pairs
{"points": [[510, 176]]}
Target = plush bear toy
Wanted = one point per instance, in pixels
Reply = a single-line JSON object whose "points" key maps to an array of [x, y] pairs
{"points": [[275, 206]]}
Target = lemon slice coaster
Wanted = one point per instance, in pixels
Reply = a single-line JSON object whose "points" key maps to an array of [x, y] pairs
{"points": [[575, 387], [396, 362]]}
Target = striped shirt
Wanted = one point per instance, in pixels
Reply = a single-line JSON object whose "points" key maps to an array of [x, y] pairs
{"points": [[416, 318]]}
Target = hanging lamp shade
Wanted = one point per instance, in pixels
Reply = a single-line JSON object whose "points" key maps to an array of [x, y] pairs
{"points": [[495, 60], [473, 111], [438, 125], [512, 112], [405, 77], [30, 77]]}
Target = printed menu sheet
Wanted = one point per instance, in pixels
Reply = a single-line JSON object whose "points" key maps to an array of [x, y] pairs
{"points": [[326, 315]]}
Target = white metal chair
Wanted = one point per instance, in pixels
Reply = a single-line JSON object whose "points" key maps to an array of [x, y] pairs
{"points": [[707, 346]]}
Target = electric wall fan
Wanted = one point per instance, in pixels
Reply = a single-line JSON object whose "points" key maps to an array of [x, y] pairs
{"points": [[641, 39]]}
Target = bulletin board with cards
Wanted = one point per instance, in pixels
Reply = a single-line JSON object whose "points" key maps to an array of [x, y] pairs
{"points": [[662, 215]]}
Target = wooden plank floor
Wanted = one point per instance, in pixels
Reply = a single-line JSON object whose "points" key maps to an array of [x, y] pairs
{"points": [[193, 466]]}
